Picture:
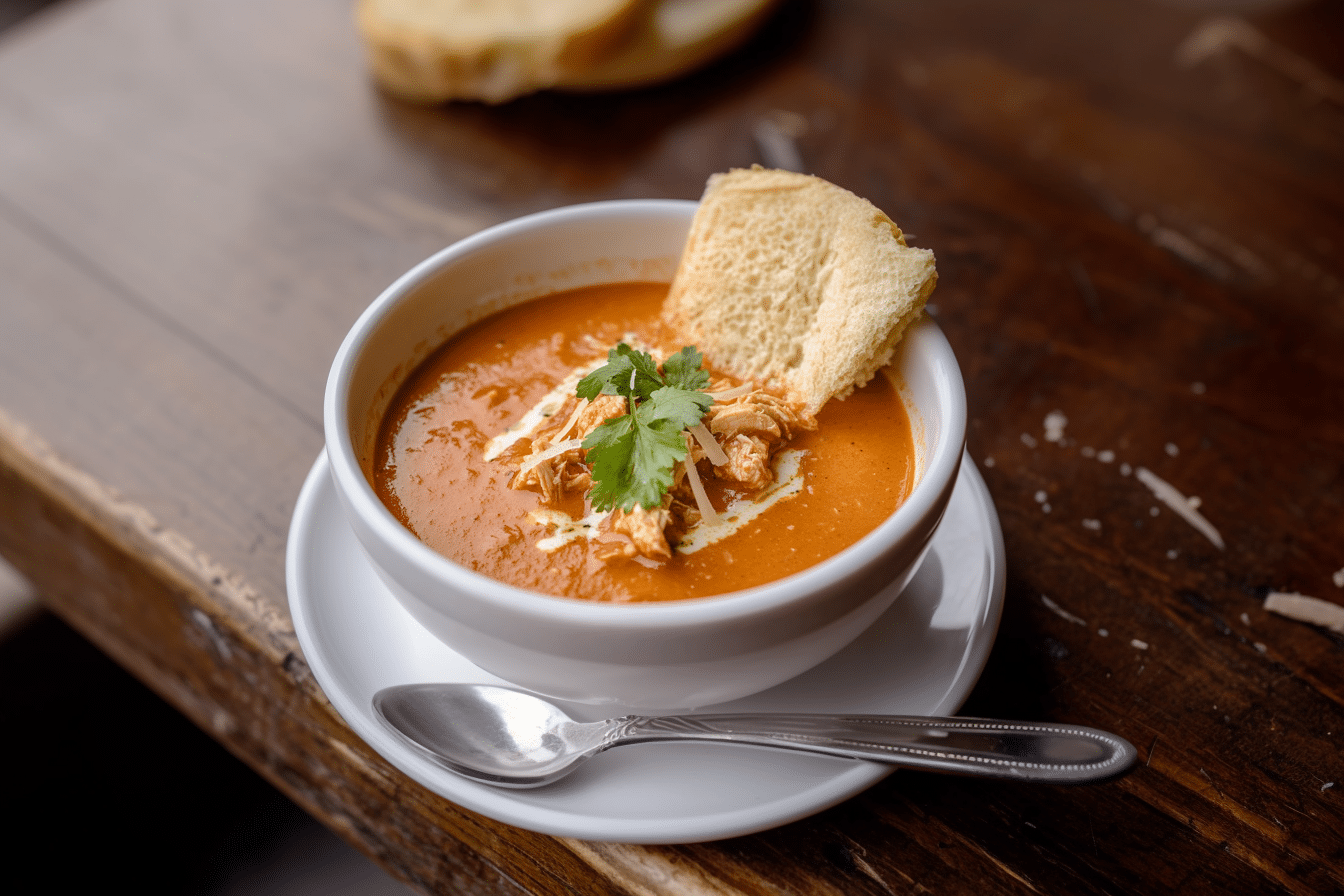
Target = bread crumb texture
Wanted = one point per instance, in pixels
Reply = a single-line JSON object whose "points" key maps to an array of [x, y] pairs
{"points": [[796, 283], [488, 50]]}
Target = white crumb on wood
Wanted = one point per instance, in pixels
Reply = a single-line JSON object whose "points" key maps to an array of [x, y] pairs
{"points": [[1093, 525], [1245, 618], [1126, 469], [1087, 451], [1041, 497], [1055, 421], [1028, 440], [1184, 247], [1138, 645], [1327, 785], [216, 638], [1168, 495], [1172, 450], [1061, 612], [1338, 577], [1311, 610], [1106, 456], [1218, 34], [989, 462]]}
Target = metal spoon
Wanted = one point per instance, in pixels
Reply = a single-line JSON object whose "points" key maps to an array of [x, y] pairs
{"points": [[514, 739]]}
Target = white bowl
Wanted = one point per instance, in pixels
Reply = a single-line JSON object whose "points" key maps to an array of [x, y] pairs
{"points": [[658, 656]]}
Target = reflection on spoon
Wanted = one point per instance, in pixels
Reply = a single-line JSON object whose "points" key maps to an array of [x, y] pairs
{"points": [[510, 738]]}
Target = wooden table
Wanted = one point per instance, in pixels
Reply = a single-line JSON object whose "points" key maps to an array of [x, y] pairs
{"points": [[1138, 213]]}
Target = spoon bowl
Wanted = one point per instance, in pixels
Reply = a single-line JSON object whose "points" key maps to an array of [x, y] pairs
{"points": [[510, 738]]}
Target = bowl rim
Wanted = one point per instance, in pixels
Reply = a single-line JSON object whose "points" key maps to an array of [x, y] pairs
{"points": [[942, 462]]}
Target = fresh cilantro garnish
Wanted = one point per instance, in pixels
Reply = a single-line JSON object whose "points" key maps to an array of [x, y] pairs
{"points": [[633, 455]]}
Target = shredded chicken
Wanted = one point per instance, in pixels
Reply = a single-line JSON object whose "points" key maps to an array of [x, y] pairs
{"points": [[750, 428], [599, 411], [737, 419], [565, 473], [761, 411], [555, 475], [748, 461], [645, 528]]}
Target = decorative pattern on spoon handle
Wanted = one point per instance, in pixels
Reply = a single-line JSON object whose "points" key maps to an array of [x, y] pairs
{"points": [[1025, 751]]}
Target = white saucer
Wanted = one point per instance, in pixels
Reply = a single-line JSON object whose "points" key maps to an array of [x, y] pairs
{"points": [[922, 657]]}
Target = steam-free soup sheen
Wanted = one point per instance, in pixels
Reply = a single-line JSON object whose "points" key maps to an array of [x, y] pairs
{"points": [[429, 470]]}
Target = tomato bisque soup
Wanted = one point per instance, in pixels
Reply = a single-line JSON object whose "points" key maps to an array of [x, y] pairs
{"points": [[832, 484]]}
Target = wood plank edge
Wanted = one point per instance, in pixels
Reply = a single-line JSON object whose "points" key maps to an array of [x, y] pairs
{"points": [[231, 663]]}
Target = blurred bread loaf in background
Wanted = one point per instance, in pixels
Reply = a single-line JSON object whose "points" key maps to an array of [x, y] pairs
{"points": [[673, 38], [492, 51]]}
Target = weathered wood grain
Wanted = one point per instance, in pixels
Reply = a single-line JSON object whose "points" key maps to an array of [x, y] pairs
{"points": [[1138, 213]]}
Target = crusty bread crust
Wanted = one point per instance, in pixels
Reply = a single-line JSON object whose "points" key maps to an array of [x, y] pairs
{"points": [[432, 51], [673, 37], [796, 284]]}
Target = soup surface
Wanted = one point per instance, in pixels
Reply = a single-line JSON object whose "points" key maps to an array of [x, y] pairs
{"points": [[431, 472]]}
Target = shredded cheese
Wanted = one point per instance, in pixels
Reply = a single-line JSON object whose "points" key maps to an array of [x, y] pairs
{"points": [[713, 451], [729, 394], [573, 418], [556, 449], [708, 515], [539, 413], [1170, 496], [1311, 610], [550, 404], [1061, 612], [788, 482]]}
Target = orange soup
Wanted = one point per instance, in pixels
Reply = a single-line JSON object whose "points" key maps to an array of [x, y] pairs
{"points": [[856, 467]]}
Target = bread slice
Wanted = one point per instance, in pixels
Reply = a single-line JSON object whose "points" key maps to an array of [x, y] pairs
{"points": [[794, 283], [489, 50]]}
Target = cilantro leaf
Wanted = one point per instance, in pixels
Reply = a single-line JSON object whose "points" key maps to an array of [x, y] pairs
{"points": [[610, 450], [633, 455], [658, 446], [685, 370], [681, 408], [627, 372], [600, 380], [646, 376]]}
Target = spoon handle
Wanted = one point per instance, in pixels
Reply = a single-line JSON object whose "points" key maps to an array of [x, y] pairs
{"points": [[988, 748]]}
